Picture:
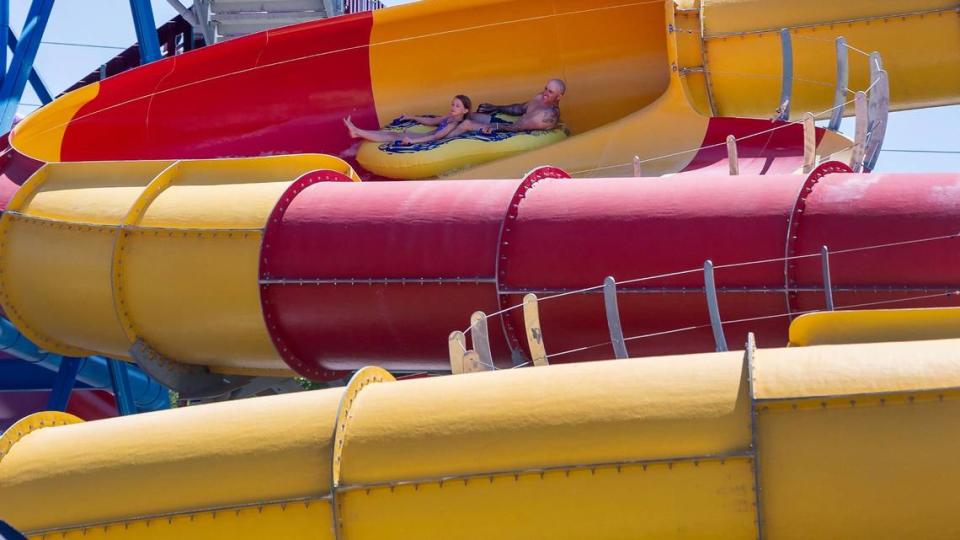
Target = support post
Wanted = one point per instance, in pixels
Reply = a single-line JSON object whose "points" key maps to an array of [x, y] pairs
{"points": [[5, 28], [860, 134], [121, 387], [457, 343], [713, 307], [35, 81], [613, 318], [637, 167], [480, 338], [146, 29], [809, 143], [63, 384], [786, 85], [732, 158], [22, 62], [827, 283], [843, 79], [531, 320]]}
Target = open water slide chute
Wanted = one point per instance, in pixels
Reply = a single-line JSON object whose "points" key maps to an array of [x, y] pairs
{"points": [[852, 441], [644, 77]]}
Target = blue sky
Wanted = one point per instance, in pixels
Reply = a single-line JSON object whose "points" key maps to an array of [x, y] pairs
{"points": [[110, 28]]}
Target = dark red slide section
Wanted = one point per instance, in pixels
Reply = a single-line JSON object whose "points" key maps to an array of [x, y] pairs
{"points": [[354, 274]]}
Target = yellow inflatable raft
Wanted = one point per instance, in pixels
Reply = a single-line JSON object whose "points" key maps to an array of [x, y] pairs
{"points": [[428, 160]]}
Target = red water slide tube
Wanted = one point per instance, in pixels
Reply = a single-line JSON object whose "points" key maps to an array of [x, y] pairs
{"points": [[353, 274]]}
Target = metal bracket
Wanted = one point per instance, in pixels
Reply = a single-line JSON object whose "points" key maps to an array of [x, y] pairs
{"points": [[192, 382], [843, 78], [733, 160], [786, 85], [809, 143], [480, 339], [713, 307], [860, 132], [531, 320], [879, 110], [613, 318], [827, 283]]}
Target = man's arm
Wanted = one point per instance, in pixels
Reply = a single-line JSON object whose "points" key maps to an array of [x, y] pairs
{"points": [[545, 120], [517, 109]]}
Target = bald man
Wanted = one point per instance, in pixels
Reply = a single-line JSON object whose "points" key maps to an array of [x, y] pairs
{"points": [[541, 112]]}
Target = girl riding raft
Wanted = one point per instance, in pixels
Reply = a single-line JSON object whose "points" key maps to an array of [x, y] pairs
{"points": [[446, 126]]}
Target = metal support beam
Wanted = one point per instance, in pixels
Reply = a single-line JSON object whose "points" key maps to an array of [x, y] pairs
{"points": [[121, 387], [827, 283], [786, 85], [5, 28], [613, 318], [147, 393], [713, 307], [637, 167], [63, 384], [22, 62], [35, 81], [843, 79], [146, 29]]}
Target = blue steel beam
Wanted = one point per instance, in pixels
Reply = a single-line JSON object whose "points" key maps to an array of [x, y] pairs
{"points": [[22, 62], [147, 394], [146, 29], [4, 27], [35, 81], [121, 387], [63, 384]]}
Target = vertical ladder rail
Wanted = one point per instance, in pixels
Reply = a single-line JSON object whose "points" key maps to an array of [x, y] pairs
{"points": [[713, 307], [613, 318]]}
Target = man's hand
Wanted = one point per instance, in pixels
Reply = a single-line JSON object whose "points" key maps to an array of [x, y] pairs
{"points": [[487, 108], [487, 130]]}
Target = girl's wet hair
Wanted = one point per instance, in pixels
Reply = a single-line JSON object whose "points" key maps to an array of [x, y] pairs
{"points": [[467, 104]]}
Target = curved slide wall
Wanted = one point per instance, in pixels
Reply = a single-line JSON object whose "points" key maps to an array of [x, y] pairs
{"points": [[631, 69], [230, 264], [851, 441]]}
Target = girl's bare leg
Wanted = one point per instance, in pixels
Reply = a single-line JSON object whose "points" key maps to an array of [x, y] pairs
{"points": [[371, 135]]}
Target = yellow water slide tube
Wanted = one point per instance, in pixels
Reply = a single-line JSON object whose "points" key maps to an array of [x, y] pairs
{"points": [[156, 256], [835, 441]]}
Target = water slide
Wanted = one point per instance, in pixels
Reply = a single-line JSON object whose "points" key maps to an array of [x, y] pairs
{"points": [[271, 269], [851, 441], [127, 241]]}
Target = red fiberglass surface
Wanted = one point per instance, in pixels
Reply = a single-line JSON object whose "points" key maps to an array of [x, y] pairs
{"points": [[763, 146], [383, 272], [273, 92]]}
